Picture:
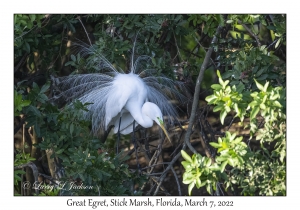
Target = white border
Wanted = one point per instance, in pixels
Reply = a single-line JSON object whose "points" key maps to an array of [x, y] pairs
{"points": [[8, 8]]}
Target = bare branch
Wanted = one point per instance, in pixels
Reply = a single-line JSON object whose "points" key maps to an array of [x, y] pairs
{"points": [[197, 91], [85, 30], [250, 32], [176, 178]]}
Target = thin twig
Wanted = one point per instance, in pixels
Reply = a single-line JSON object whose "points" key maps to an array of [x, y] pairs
{"points": [[154, 174], [272, 43], [205, 52], [21, 62], [230, 123], [176, 178], [203, 143], [198, 42], [178, 51], [169, 167], [85, 30], [16, 129], [50, 178], [23, 138], [142, 150], [250, 32], [151, 166], [219, 186], [104, 137], [59, 52]]}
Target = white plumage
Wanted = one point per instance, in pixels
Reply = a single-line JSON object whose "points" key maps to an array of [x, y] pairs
{"points": [[139, 95]]}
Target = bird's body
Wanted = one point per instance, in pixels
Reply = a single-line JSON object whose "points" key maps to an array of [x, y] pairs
{"points": [[116, 96], [129, 104]]}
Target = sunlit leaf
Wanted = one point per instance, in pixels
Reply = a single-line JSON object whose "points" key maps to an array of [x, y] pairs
{"points": [[186, 156]]}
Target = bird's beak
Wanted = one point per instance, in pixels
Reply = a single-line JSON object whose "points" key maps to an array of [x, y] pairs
{"points": [[161, 124], [165, 131]]}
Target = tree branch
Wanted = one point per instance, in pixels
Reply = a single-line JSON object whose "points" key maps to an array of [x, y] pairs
{"points": [[197, 91], [250, 32], [21, 62]]}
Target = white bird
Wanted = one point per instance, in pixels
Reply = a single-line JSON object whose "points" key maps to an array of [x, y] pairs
{"points": [[116, 97]]}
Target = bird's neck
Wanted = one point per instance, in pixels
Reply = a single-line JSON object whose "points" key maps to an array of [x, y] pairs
{"points": [[141, 118]]}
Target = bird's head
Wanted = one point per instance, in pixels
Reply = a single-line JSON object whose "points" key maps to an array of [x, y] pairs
{"points": [[154, 112], [160, 122]]}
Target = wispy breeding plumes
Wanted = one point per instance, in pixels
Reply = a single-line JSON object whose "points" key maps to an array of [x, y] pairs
{"points": [[112, 88]]}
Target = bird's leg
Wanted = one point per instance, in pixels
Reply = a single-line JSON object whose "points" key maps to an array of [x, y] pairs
{"points": [[119, 135], [135, 147]]}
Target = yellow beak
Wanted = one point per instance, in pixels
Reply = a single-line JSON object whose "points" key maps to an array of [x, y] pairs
{"points": [[165, 131]]}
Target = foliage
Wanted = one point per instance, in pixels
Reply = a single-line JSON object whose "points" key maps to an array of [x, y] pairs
{"points": [[199, 171], [68, 136], [20, 159], [254, 90], [254, 172]]}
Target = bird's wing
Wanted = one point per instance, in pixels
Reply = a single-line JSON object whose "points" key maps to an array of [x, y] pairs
{"points": [[115, 103], [126, 126], [129, 128]]}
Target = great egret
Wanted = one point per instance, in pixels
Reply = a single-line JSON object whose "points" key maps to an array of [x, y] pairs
{"points": [[118, 98]]}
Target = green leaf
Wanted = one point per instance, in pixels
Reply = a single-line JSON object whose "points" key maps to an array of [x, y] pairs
{"points": [[262, 77], [153, 61], [215, 145], [37, 130], [35, 111], [223, 165], [186, 156], [71, 128], [240, 87], [59, 151], [214, 167], [253, 103], [216, 87], [222, 116], [191, 186], [32, 17], [25, 103], [218, 108], [208, 188], [277, 104], [260, 72], [227, 74], [254, 70], [188, 180], [69, 63], [27, 47], [73, 57], [259, 86], [226, 83], [198, 182], [227, 108], [236, 108], [254, 112], [277, 43], [232, 162], [262, 106], [210, 98], [45, 87]]}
